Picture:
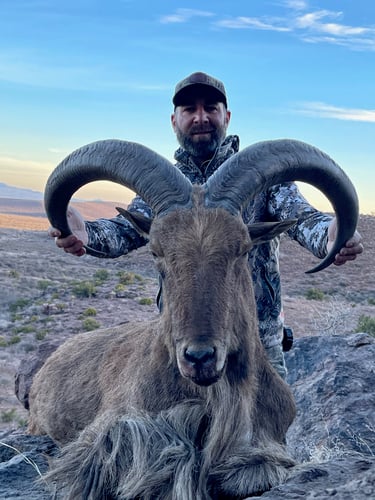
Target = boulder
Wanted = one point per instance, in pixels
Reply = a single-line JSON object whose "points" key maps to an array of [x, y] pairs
{"points": [[333, 435], [28, 368], [333, 382]]}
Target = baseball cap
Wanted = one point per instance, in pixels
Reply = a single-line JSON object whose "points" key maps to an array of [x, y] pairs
{"points": [[201, 84]]}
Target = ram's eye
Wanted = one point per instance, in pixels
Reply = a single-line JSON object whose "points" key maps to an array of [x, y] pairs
{"points": [[156, 252]]}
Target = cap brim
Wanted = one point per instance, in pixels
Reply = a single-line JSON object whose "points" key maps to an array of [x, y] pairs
{"points": [[198, 90]]}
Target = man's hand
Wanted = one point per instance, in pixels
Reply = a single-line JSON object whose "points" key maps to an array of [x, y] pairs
{"points": [[74, 243], [352, 248]]}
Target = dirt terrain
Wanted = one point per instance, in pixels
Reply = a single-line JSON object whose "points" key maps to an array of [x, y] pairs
{"points": [[43, 295]]}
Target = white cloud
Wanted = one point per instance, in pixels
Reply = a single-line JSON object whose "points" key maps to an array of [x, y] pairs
{"points": [[242, 22], [311, 19], [58, 151], [342, 30], [296, 4], [315, 27], [312, 22], [309, 25], [323, 110], [352, 43], [173, 18], [184, 15]]}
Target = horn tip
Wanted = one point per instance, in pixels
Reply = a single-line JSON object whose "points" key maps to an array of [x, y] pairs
{"points": [[322, 265]]}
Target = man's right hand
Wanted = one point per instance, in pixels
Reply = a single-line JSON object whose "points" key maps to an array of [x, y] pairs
{"points": [[74, 243]]}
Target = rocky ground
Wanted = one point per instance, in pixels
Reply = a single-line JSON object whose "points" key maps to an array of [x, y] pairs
{"points": [[48, 295]]}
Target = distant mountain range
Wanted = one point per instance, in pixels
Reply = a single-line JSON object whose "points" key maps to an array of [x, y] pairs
{"points": [[18, 193]]}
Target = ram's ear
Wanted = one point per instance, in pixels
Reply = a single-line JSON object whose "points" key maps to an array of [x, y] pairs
{"points": [[141, 223], [261, 232]]}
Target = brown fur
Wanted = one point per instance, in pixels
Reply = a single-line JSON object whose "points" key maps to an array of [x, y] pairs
{"points": [[141, 420]]}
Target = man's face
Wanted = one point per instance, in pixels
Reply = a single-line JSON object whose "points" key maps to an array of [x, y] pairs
{"points": [[201, 126]]}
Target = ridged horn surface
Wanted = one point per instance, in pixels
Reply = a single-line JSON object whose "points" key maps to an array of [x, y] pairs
{"points": [[140, 169], [265, 164]]}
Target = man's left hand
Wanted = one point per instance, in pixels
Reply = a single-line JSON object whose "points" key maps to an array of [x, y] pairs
{"points": [[352, 248]]}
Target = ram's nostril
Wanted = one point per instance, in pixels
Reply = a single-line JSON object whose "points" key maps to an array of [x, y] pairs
{"points": [[199, 355]]}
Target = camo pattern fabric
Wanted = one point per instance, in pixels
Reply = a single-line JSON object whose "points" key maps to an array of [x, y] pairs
{"points": [[116, 237]]}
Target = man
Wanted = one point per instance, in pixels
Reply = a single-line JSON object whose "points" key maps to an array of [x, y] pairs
{"points": [[200, 120]]}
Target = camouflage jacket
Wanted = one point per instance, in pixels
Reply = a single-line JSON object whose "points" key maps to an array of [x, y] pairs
{"points": [[116, 237]]}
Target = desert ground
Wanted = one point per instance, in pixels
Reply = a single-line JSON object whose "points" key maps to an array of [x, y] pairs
{"points": [[46, 294]]}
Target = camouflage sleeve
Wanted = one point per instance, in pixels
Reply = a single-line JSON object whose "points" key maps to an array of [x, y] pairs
{"points": [[111, 238], [311, 230]]}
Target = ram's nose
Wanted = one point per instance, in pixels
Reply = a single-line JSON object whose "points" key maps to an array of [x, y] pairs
{"points": [[199, 363], [199, 356]]}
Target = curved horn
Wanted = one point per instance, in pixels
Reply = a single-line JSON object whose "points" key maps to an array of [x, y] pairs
{"points": [[140, 169], [265, 164]]}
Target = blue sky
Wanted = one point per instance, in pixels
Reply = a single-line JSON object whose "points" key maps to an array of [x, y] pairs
{"points": [[77, 71]]}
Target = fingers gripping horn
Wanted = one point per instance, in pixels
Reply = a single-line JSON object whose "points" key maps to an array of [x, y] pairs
{"points": [[140, 169], [268, 163]]}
